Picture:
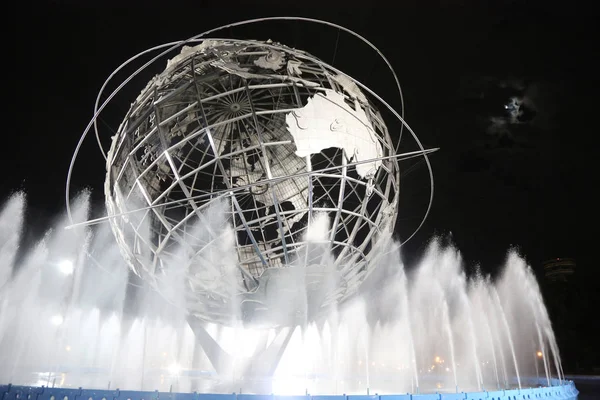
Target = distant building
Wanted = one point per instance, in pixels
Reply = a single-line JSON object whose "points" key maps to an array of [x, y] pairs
{"points": [[559, 269]]}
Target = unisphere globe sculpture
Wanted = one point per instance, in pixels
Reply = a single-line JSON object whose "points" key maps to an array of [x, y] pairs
{"points": [[274, 136]]}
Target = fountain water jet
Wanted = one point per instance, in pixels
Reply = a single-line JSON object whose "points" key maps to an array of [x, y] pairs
{"points": [[450, 342], [508, 335], [384, 339]]}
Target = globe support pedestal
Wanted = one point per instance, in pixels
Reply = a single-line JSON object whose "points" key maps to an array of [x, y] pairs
{"points": [[263, 363]]}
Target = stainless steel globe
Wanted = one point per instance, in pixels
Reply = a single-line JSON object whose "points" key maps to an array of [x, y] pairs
{"points": [[275, 138]]}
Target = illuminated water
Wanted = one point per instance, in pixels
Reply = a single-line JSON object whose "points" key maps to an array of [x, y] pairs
{"points": [[70, 320]]}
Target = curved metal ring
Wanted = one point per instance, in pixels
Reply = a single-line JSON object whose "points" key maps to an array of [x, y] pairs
{"points": [[174, 45]]}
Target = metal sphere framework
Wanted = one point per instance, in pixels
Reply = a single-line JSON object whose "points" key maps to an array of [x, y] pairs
{"points": [[264, 129]]}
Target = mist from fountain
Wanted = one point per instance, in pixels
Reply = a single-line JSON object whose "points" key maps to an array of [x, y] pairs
{"points": [[72, 314]]}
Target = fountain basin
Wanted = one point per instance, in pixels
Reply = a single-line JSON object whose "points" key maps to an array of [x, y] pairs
{"points": [[560, 390]]}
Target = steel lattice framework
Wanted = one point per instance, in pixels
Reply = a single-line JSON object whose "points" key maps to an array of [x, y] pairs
{"points": [[277, 137], [212, 128]]}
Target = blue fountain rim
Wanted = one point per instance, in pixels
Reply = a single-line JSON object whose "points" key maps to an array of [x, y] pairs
{"points": [[560, 390]]}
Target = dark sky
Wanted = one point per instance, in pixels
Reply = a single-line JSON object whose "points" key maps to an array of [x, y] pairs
{"points": [[459, 63]]}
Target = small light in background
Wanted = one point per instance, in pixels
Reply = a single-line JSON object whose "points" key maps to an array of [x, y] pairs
{"points": [[57, 320], [66, 267], [67, 348], [539, 354]]}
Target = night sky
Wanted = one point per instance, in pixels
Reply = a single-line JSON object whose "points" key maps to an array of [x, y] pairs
{"points": [[498, 184]]}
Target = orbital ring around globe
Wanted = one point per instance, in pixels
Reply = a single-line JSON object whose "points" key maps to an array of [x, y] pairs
{"points": [[174, 45], [279, 135]]}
